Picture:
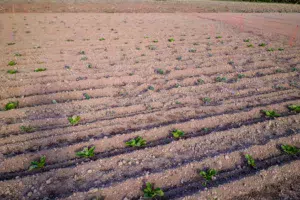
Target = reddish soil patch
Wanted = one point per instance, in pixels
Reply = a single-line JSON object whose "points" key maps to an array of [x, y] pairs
{"points": [[146, 75]]}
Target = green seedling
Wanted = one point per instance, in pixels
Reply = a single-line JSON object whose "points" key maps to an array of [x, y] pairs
{"points": [[196, 43], [81, 52], [136, 142], [152, 47], [177, 102], [250, 160], [179, 58], [208, 175], [206, 130], [159, 71], [289, 149], [18, 54], [200, 81], [240, 76], [11, 63], [294, 69], [89, 65], [155, 41], [151, 192], [218, 37], [70, 40], [11, 105], [86, 152], [181, 39], [177, 133], [101, 39], [86, 96], [247, 40], [40, 69], [192, 50], [151, 88], [84, 58], [27, 129], [171, 40], [208, 38], [221, 79], [270, 113], [250, 45], [38, 164], [278, 71], [12, 71], [231, 62], [280, 49], [262, 45], [270, 49], [177, 85], [143, 54], [11, 43], [74, 120], [294, 108], [206, 99]]}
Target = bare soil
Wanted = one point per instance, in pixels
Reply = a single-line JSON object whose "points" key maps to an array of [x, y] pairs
{"points": [[218, 133]]}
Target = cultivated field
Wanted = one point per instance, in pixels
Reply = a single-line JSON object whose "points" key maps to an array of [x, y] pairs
{"points": [[231, 85]]}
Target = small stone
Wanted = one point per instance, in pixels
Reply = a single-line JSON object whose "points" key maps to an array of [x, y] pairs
{"points": [[48, 181], [89, 171], [93, 190], [29, 194], [226, 157]]}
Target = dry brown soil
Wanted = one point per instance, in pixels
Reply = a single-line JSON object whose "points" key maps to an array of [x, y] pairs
{"points": [[217, 133]]}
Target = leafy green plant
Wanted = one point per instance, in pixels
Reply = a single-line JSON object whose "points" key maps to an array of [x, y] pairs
{"points": [[150, 87], [159, 71], [101, 39], [89, 65], [84, 58], [200, 81], [218, 37], [136, 142], [289, 149], [155, 41], [295, 108], [246, 40], [151, 192], [208, 38], [179, 58], [27, 129], [11, 105], [278, 71], [86, 96], [86, 152], [270, 49], [206, 99], [177, 133], [70, 40], [250, 160], [81, 52], [38, 164], [240, 76], [230, 62], [262, 45], [196, 43], [11, 43], [40, 69], [221, 79], [12, 71], [18, 54], [171, 40], [294, 69], [280, 49], [152, 47], [208, 175], [74, 120], [192, 50], [12, 63], [250, 45], [270, 113]]}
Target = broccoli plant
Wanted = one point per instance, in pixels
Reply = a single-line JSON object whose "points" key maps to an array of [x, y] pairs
{"points": [[12, 63], [27, 129], [151, 192], [270, 113], [18, 54], [250, 161], [262, 45], [136, 142], [250, 45], [177, 133], [86, 96], [208, 175], [155, 41], [294, 108], [12, 71], [159, 71], [171, 40], [218, 37], [40, 69], [240, 76], [101, 39], [150, 87], [38, 164], [247, 40], [280, 49], [86, 152], [206, 99], [221, 79], [11, 105], [74, 120], [289, 149]]}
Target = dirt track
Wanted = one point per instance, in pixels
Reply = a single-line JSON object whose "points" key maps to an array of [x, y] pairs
{"points": [[122, 105]]}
